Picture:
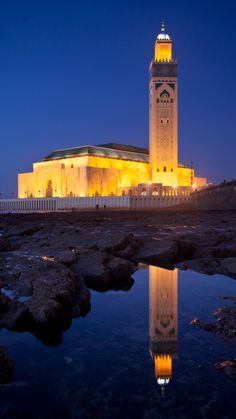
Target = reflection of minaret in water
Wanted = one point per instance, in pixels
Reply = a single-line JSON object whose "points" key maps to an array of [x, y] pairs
{"points": [[163, 321]]}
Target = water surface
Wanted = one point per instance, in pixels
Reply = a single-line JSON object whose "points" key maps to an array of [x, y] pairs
{"points": [[134, 355]]}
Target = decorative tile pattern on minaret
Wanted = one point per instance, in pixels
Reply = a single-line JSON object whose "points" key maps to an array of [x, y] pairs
{"points": [[163, 113]]}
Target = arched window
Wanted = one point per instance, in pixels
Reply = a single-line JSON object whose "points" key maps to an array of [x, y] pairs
{"points": [[164, 169]]}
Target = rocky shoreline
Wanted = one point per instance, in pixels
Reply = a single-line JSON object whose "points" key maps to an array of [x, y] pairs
{"points": [[48, 262]]}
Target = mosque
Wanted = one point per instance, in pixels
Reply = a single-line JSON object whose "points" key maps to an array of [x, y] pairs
{"points": [[118, 169]]}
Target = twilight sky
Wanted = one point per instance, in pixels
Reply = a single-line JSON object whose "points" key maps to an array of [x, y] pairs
{"points": [[75, 72]]}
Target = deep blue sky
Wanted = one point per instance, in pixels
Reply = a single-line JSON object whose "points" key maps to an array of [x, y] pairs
{"points": [[76, 72]]}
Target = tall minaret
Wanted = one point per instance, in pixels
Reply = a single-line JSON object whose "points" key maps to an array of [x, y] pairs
{"points": [[163, 113], [163, 321]]}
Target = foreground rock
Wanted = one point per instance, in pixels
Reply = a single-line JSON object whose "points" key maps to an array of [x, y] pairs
{"points": [[228, 367], [225, 325], [47, 261], [43, 296], [211, 266], [101, 270], [154, 251], [225, 328], [43, 292]]}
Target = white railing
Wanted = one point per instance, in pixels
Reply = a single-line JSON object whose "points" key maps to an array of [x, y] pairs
{"points": [[67, 204], [151, 202]]}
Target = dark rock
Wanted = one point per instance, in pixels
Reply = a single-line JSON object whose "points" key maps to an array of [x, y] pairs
{"points": [[66, 257], [224, 251], [228, 266], [55, 291], [186, 249], [228, 366], [118, 285], [207, 265], [209, 327], [100, 268], [156, 250], [228, 297], [22, 231], [55, 296], [225, 325], [4, 245]]}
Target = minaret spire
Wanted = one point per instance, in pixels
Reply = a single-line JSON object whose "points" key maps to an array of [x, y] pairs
{"points": [[163, 28]]}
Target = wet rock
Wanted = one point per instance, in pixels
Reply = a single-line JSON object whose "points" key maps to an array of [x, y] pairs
{"points": [[209, 327], [225, 325], [121, 245], [152, 251], [55, 296], [224, 251], [207, 265], [210, 266], [228, 367], [25, 230], [186, 249], [228, 297], [100, 268], [228, 266], [4, 245], [118, 244], [66, 257], [7, 368], [56, 291], [118, 285]]}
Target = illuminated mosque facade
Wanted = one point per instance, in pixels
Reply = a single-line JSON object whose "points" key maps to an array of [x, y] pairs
{"points": [[117, 169]]}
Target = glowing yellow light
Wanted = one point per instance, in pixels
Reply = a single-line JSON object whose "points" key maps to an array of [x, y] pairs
{"points": [[163, 51], [149, 182], [163, 366]]}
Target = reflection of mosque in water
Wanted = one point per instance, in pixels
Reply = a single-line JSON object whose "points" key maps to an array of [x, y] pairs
{"points": [[163, 321]]}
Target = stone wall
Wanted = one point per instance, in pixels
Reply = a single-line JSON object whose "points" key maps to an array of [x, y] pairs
{"points": [[222, 196]]}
